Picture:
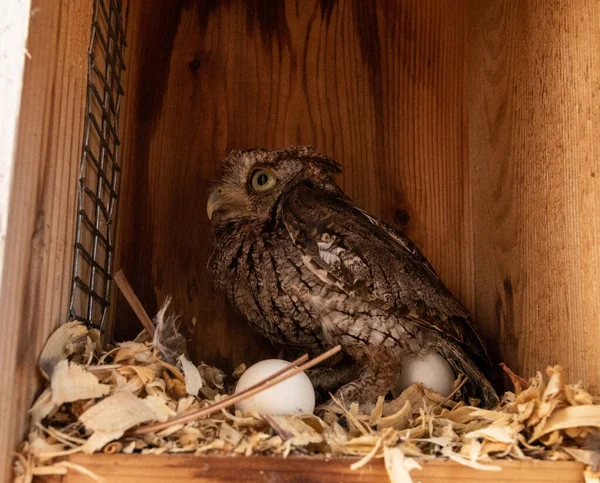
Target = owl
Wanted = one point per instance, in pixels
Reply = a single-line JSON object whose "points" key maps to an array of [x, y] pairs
{"points": [[309, 269]]}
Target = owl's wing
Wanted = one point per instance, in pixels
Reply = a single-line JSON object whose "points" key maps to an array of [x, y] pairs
{"points": [[354, 252]]}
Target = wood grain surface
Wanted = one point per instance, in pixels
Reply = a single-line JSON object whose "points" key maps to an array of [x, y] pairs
{"points": [[377, 85], [40, 236], [213, 469], [534, 149]]}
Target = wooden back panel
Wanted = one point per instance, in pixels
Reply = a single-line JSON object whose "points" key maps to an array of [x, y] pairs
{"points": [[376, 85]]}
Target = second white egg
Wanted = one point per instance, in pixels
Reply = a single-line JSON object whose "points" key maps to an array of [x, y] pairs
{"points": [[431, 369]]}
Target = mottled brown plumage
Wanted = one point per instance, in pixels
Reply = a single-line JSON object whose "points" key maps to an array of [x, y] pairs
{"points": [[309, 269]]}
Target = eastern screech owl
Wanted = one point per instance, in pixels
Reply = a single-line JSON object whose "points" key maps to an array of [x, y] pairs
{"points": [[309, 269]]}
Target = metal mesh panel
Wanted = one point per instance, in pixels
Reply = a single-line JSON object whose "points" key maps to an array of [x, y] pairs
{"points": [[100, 172]]}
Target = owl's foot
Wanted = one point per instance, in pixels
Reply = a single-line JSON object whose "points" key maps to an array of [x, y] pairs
{"points": [[372, 383], [331, 378]]}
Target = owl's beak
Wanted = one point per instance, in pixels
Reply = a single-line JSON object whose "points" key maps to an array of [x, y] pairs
{"points": [[213, 203]]}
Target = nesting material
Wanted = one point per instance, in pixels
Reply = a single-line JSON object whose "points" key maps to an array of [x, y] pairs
{"points": [[94, 399]]}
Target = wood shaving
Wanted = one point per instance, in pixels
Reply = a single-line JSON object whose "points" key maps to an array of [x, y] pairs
{"points": [[193, 380], [93, 397], [69, 338], [71, 382]]}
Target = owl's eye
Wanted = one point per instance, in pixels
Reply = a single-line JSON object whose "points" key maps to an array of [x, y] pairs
{"points": [[262, 180]]}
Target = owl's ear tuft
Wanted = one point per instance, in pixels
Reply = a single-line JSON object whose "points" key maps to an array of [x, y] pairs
{"points": [[324, 163], [321, 162]]}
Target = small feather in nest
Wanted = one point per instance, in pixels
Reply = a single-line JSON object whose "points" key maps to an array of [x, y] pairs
{"points": [[167, 338], [71, 382]]}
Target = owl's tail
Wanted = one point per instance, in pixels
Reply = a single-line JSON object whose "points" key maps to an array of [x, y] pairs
{"points": [[478, 385]]}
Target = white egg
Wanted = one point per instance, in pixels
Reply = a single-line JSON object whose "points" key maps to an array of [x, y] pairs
{"points": [[432, 370], [292, 396]]}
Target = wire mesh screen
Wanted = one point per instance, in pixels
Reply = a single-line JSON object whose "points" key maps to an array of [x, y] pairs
{"points": [[100, 172]]}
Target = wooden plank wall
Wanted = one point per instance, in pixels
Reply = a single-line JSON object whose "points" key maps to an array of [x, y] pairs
{"points": [[377, 85], [534, 148], [39, 244]]}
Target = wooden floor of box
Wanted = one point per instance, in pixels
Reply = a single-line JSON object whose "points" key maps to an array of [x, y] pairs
{"points": [[212, 469]]}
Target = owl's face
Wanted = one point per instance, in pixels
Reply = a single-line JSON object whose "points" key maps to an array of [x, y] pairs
{"points": [[253, 181]]}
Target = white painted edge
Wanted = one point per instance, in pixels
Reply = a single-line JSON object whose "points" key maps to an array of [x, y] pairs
{"points": [[14, 26]]}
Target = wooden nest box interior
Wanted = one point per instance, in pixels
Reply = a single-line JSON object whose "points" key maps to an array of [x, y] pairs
{"points": [[472, 125]]}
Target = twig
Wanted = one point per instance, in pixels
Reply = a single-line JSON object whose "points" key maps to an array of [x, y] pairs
{"points": [[454, 391], [134, 302], [261, 386]]}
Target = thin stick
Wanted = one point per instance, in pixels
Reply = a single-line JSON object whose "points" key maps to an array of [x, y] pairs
{"points": [[134, 302], [454, 391], [267, 383]]}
